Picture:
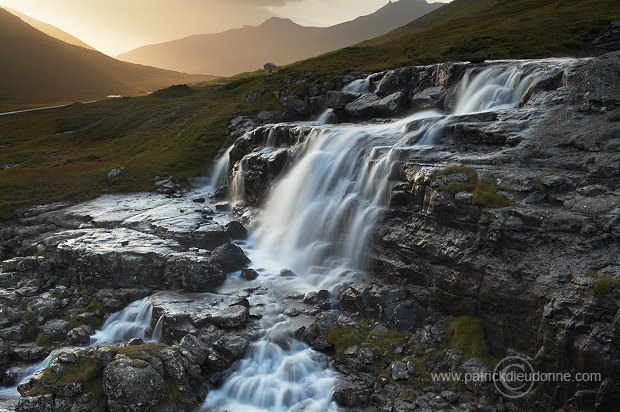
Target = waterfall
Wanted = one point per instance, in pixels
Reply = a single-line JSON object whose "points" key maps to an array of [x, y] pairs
{"points": [[319, 219], [360, 86], [495, 88], [275, 379], [132, 322], [219, 175]]}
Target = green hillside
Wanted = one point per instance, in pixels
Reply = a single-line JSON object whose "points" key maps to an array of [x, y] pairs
{"points": [[66, 153]]}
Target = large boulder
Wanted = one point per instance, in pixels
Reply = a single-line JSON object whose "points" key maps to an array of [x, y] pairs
{"points": [[370, 105], [194, 272], [230, 257], [232, 317], [132, 384], [339, 100]]}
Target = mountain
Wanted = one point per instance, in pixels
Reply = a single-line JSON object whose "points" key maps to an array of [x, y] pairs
{"points": [[50, 30], [39, 69], [280, 41]]}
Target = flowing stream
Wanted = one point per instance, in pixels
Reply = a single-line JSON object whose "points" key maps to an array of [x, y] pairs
{"points": [[318, 222], [133, 322]]}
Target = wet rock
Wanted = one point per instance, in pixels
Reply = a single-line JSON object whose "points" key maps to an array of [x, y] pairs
{"points": [[194, 272], [296, 106], [56, 329], [287, 273], [353, 394], [94, 255], [232, 317], [249, 274], [230, 257], [338, 100], [43, 403], [241, 302], [236, 230], [227, 350], [399, 371], [316, 334], [197, 349], [370, 105], [209, 236], [132, 384]]}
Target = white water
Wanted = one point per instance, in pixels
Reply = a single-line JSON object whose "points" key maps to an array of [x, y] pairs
{"points": [[277, 380], [318, 222], [219, 175], [132, 322], [360, 86]]}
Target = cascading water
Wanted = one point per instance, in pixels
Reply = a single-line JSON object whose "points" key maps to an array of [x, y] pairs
{"points": [[132, 322], [219, 175], [358, 86], [319, 219]]}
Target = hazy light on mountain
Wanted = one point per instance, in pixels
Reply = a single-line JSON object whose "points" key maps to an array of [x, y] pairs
{"points": [[329, 12], [116, 26]]}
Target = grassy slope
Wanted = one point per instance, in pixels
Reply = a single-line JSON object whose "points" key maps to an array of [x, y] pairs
{"points": [[151, 136]]}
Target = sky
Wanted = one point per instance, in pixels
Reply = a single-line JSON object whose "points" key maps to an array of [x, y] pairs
{"points": [[117, 26]]}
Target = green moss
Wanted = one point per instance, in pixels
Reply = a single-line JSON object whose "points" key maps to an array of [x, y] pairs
{"points": [[604, 285], [95, 386], [142, 352], [484, 188], [173, 390], [467, 334], [84, 371], [489, 198], [343, 338], [44, 339]]}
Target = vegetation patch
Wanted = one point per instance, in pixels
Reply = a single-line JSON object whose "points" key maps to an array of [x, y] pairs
{"points": [[84, 371], [605, 284], [174, 92], [467, 334], [484, 189], [43, 339]]}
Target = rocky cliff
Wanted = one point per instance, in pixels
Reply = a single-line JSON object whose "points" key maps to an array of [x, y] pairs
{"points": [[511, 216]]}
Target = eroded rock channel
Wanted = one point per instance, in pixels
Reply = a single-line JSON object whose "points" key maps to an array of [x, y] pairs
{"points": [[435, 220]]}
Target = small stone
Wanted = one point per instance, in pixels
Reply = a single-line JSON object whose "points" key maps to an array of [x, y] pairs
{"points": [[223, 207], [399, 371], [324, 294], [287, 273], [241, 302], [249, 274], [236, 230], [450, 396], [311, 298], [292, 312]]}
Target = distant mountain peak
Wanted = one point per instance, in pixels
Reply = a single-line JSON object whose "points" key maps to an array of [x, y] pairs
{"points": [[279, 22]]}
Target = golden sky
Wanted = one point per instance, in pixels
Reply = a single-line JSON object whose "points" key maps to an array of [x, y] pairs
{"points": [[117, 26]]}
